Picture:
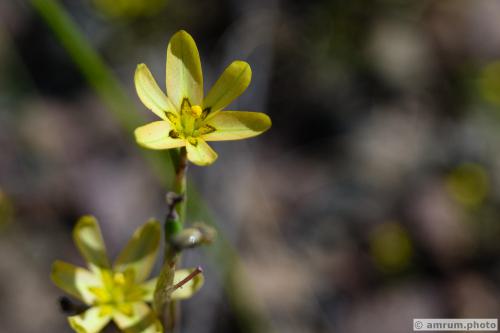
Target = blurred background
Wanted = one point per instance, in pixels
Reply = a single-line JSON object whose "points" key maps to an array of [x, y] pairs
{"points": [[374, 199]]}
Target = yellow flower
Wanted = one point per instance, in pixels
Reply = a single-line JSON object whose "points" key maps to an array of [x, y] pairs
{"points": [[188, 118], [119, 292]]}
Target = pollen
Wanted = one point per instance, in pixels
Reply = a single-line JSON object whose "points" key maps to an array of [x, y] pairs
{"points": [[196, 111]]}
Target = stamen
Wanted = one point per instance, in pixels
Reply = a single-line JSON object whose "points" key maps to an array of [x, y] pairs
{"points": [[172, 117], [205, 129], [193, 141], [185, 106], [173, 134], [100, 294], [205, 113]]}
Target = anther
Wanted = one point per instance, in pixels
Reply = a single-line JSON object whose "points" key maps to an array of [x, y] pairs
{"points": [[205, 113], [185, 106], [205, 129], [172, 117], [173, 134]]}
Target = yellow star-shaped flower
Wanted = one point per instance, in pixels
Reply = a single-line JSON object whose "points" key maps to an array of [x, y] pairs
{"points": [[117, 292], [190, 119]]}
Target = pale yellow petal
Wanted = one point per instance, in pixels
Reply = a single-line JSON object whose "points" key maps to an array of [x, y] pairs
{"points": [[183, 73], [141, 319], [158, 135], [237, 125], [88, 238], [200, 153], [91, 321], [150, 94], [231, 84], [148, 289], [74, 280], [140, 252]]}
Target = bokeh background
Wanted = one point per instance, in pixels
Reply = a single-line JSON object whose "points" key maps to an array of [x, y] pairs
{"points": [[374, 199]]}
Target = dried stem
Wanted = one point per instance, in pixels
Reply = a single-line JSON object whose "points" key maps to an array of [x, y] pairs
{"points": [[188, 278]]}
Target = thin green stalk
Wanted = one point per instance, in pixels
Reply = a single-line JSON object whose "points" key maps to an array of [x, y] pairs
{"points": [[181, 164], [172, 257]]}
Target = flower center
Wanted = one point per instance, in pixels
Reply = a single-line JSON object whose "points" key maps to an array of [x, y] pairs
{"points": [[190, 125], [117, 290]]}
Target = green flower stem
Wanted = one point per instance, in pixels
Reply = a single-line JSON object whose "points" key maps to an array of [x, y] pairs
{"points": [[180, 188], [173, 227]]}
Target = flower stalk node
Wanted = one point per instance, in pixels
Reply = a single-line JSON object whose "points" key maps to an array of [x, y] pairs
{"points": [[172, 199]]}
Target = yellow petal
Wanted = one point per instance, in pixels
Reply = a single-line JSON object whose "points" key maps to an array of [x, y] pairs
{"points": [[88, 238], [150, 94], [91, 321], [231, 84], [141, 319], [148, 289], [140, 252], [76, 281], [158, 135], [190, 288], [236, 125], [183, 74], [200, 153]]}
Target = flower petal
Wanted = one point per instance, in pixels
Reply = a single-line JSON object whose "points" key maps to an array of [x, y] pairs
{"points": [[184, 77], [74, 280], [190, 288], [88, 238], [157, 135], [231, 84], [148, 289], [141, 320], [140, 252], [236, 125], [91, 321], [150, 94], [200, 153]]}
